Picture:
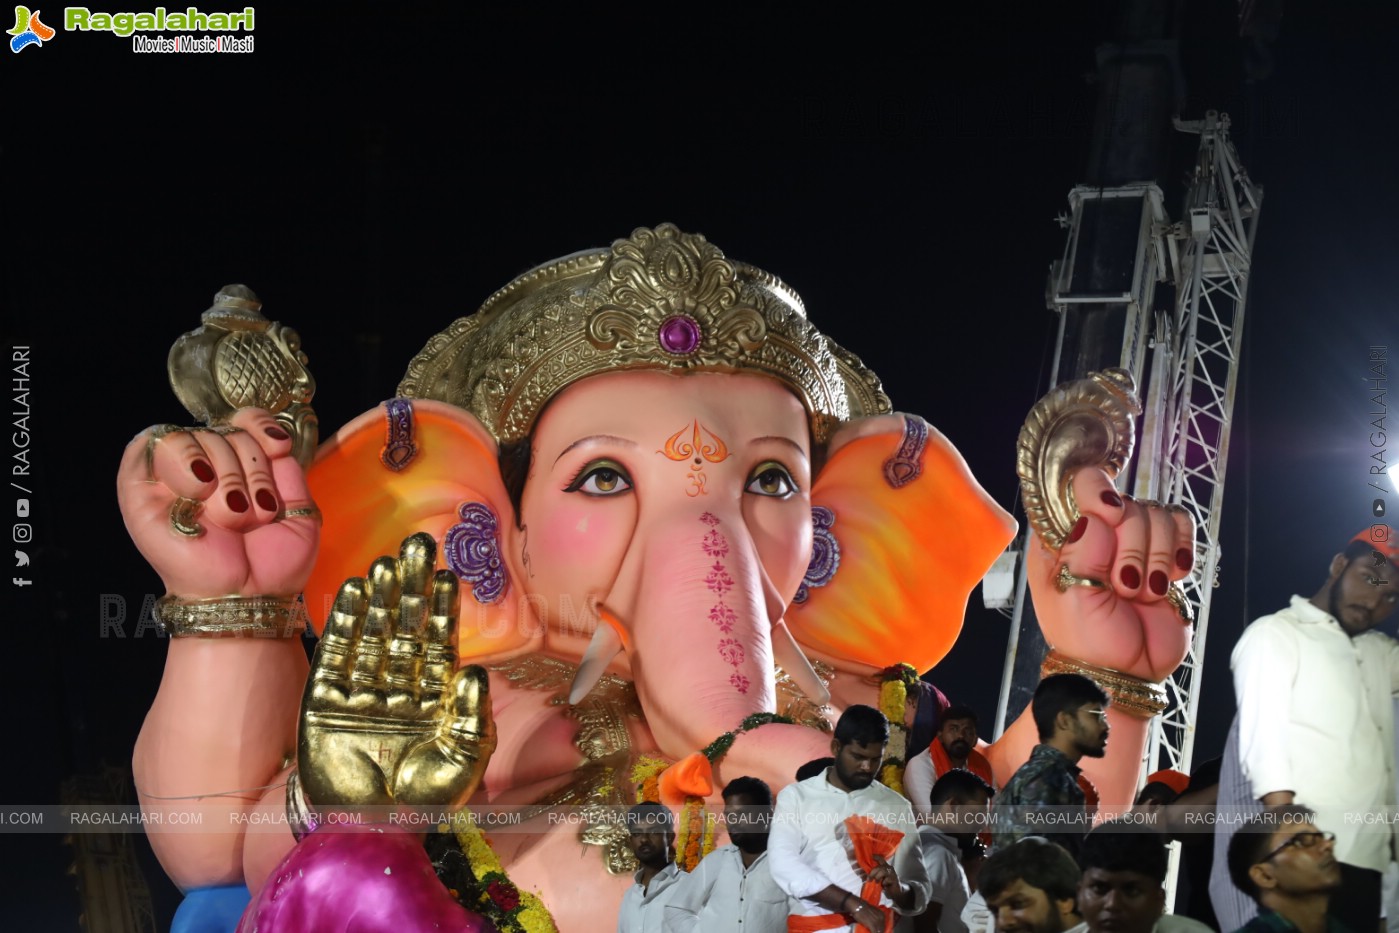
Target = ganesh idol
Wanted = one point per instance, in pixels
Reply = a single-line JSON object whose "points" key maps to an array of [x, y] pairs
{"points": [[635, 527]]}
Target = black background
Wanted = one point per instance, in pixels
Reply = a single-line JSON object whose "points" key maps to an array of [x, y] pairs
{"points": [[374, 171]]}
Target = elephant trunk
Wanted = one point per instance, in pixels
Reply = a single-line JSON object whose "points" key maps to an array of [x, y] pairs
{"points": [[697, 609]]}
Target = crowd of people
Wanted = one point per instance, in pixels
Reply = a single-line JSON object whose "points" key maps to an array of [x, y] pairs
{"points": [[964, 852]]}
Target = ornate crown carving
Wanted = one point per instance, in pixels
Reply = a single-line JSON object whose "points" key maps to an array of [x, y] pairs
{"points": [[658, 300]]}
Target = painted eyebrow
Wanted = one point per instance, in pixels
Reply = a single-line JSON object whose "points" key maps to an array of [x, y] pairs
{"points": [[781, 440], [595, 438]]}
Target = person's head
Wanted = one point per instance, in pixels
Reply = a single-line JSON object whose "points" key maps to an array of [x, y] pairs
{"points": [[1070, 711], [1155, 794], [861, 735], [1030, 887], [1280, 856], [1124, 873], [748, 813], [1162, 787], [651, 834], [959, 799], [957, 732], [1362, 589], [814, 767]]}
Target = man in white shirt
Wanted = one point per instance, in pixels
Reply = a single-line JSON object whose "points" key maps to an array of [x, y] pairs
{"points": [[651, 838], [954, 746], [1315, 724], [958, 804], [731, 890], [812, 854]]}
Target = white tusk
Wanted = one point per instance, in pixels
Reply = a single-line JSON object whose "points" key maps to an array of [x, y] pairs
{"points": [[790, 657], [605, 646]]}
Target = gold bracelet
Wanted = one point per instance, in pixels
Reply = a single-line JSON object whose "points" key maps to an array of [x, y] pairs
{"points": [[300, 817], [231, 617], [1134, 696]]}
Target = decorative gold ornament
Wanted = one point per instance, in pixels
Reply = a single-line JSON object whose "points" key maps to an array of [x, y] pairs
{"points": [[598, 785], [239, 359], [1065, 579], [660, 300], [231, 617], [299, 816], [1088, 422], [311, 512], [183, 513], [793, 702], [1134, 696], [1176, 597], [153, 437]]}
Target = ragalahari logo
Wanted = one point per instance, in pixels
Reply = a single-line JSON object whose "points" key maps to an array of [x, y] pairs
{"points": [[29, 30]]}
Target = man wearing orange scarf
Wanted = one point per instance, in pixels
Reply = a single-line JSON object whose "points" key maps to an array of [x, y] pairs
{"points": [[954, 746], [843, 846]]}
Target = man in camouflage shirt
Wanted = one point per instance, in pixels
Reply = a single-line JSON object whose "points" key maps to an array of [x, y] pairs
{"points": [[1070, 712]]}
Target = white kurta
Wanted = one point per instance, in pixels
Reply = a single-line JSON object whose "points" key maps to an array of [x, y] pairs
{"points": [[1316, 718], [644, 910], [721, 896], [947, 882], [808, 853]]}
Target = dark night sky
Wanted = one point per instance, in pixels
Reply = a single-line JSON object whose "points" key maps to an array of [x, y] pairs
{"points": [[375, 171]]}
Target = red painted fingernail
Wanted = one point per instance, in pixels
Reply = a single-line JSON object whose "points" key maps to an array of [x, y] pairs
{"points": [[1131, 577], [1077, 531], [276, 433], [265, 500], [202, 471], [1112, 499], [237, 501], [1184, 558], [1158, 582]]}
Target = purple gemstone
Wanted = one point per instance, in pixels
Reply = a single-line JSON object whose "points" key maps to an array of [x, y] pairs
{"points": [[679, 334]]}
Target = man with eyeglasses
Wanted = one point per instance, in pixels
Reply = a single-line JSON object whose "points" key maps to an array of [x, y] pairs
{"points": [[1289, 867], [1315, 724], [1044, 796]]}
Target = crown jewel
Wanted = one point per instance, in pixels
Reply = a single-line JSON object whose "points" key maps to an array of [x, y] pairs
{"points": [[658, 300]]}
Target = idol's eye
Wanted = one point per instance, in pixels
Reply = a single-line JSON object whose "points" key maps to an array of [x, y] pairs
{"points": [[600, 478], [771, 479]]}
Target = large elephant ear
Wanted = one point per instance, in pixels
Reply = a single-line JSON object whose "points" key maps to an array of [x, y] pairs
{"points": [[416, 466], [910, 533]]}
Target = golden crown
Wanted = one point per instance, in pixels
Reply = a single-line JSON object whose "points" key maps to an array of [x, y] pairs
{"points": [[658, 300]]}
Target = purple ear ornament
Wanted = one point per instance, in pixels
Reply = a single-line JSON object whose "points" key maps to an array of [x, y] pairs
{"points": [[472, 550], [825, 553]]}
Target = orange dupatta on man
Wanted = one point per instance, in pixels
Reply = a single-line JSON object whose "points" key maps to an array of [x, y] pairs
{"points": [[871, 840]]}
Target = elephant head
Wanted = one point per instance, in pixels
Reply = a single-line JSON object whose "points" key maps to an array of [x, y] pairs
{"points": [[647, 458]]}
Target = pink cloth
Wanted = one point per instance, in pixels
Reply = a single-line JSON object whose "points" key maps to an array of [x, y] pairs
{"points": [[367, 879]]}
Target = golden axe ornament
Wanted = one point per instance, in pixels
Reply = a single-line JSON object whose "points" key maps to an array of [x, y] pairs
{"points": [[674, 529]]}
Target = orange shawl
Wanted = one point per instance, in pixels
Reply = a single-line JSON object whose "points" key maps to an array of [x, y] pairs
{"points": [[870, 840]]}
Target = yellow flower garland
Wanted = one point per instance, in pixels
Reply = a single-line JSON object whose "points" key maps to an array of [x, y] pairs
{"points": [[893, 703], [533, 916]]}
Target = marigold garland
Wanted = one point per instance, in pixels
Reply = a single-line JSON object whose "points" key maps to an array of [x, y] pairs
{"points": [[646, 776], [695, 833], [496, 896], [897, 680], [690, 842]]}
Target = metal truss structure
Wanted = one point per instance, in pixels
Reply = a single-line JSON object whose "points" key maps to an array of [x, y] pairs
{"points": [[1191, 399]]}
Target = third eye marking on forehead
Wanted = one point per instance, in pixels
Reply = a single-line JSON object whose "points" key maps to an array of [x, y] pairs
{"points": [[595, 439], [679, 449]]}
